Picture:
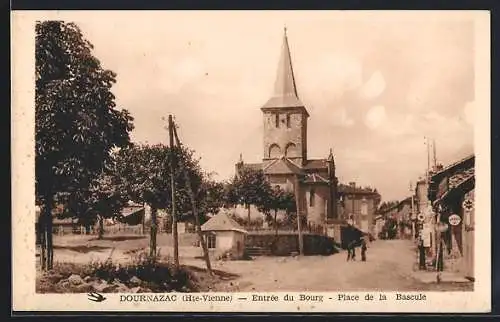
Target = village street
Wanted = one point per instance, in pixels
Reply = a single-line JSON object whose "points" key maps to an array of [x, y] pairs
{"points": [[389, 267]]}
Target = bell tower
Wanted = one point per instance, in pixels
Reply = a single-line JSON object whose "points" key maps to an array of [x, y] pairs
{"points": [[285, 117]]}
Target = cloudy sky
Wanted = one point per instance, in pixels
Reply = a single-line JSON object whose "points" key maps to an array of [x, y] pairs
{"points": [[374, 86]]}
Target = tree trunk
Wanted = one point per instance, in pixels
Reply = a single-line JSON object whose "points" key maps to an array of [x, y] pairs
{"points": [[41, 233], [101, 227], [276, 221], [152, 241], [47, 250], [248, 211]]}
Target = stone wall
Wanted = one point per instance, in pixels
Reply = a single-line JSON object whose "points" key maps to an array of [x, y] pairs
{"points": [[285, 244]]}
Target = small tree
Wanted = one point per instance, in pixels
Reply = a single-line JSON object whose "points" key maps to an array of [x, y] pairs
{"points": [[145, 173], [280, 199], [250, 187]]}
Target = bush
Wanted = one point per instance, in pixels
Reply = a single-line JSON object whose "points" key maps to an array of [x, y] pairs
{"points": [[154, 273]]}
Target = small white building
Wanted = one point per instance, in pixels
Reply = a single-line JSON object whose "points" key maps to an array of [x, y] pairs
{"points": [[223, 235]]}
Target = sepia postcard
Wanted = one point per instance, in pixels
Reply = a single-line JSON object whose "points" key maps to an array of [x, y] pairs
{"points": [[251, 161]]}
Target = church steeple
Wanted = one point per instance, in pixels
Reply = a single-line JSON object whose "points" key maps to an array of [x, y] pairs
{"points": [[285, 90], [285, 117]]}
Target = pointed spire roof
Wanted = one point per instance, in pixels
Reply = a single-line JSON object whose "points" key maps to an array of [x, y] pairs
{"points": [[285, 89]]}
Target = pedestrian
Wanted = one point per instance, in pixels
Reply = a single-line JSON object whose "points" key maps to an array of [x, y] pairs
{"points": [[364, 247]]}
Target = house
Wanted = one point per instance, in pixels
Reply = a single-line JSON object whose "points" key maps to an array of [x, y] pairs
{"points": [[223, 235], [379, 225], [285, 160], [358, 204], [451, 191]]}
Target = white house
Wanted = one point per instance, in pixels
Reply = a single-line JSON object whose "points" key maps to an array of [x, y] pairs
{"points": [[224, 235]]}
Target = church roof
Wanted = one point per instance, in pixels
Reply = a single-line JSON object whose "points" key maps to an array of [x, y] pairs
{"points": [[316, 164], [285, 90], [253, 166], [315, 178], [222, 222], [282, 166]]}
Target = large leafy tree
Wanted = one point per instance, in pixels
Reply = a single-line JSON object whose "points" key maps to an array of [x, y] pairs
{"points": [[250, 187], [105, 198], [145, 174], [76, 119]]}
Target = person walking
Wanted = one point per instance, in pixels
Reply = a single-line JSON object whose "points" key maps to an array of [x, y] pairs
{"points": [[364, 247]]}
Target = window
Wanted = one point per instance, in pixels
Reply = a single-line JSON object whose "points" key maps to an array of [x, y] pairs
{"points": [[211, 240], [274, 151], [288, 120], [291, 150], [311, 198], [277, 120]]}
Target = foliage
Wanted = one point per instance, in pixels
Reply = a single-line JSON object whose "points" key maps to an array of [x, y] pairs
{"points": [[390, 229], [145, 174], [104, 199], [250, 187], [76, 120], [77, 123]]}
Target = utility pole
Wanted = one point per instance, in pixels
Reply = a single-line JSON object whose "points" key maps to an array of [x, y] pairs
{"points": [[194, 208], [413, 230], [428, 159], [434, 153], [172, 186], [299, 217]]}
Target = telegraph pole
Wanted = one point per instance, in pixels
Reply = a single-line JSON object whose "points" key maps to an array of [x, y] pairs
{"points": [[194, 207], [434, 153], [413, 230], [172, 186], [299, 217]]}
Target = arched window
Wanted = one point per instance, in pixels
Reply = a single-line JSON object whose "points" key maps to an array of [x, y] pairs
{"points": [[291, 150], [274, 151], [311, 197]]}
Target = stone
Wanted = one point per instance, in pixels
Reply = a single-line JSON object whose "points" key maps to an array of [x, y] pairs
{"points": [[134, 280], [84, 288], [103, 287], [120, 287], [87, 279], [75, 279], [135, 289], [55, 278]]}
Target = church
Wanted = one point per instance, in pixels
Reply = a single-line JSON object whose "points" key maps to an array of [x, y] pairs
{"points": [[285, 161]]}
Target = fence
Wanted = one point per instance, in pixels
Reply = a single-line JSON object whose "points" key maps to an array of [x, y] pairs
{"points": [[117, 228]]}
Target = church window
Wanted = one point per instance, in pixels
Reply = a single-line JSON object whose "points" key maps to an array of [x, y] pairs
{"points": [[277, 119], [288, 120], [291, 150], [311, 198], [274, 151]]}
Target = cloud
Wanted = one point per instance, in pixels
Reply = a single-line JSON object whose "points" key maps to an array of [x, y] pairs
{"points": [[340, 117], [375, 117], [373, 87], [469, 110], [333, 74]]}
